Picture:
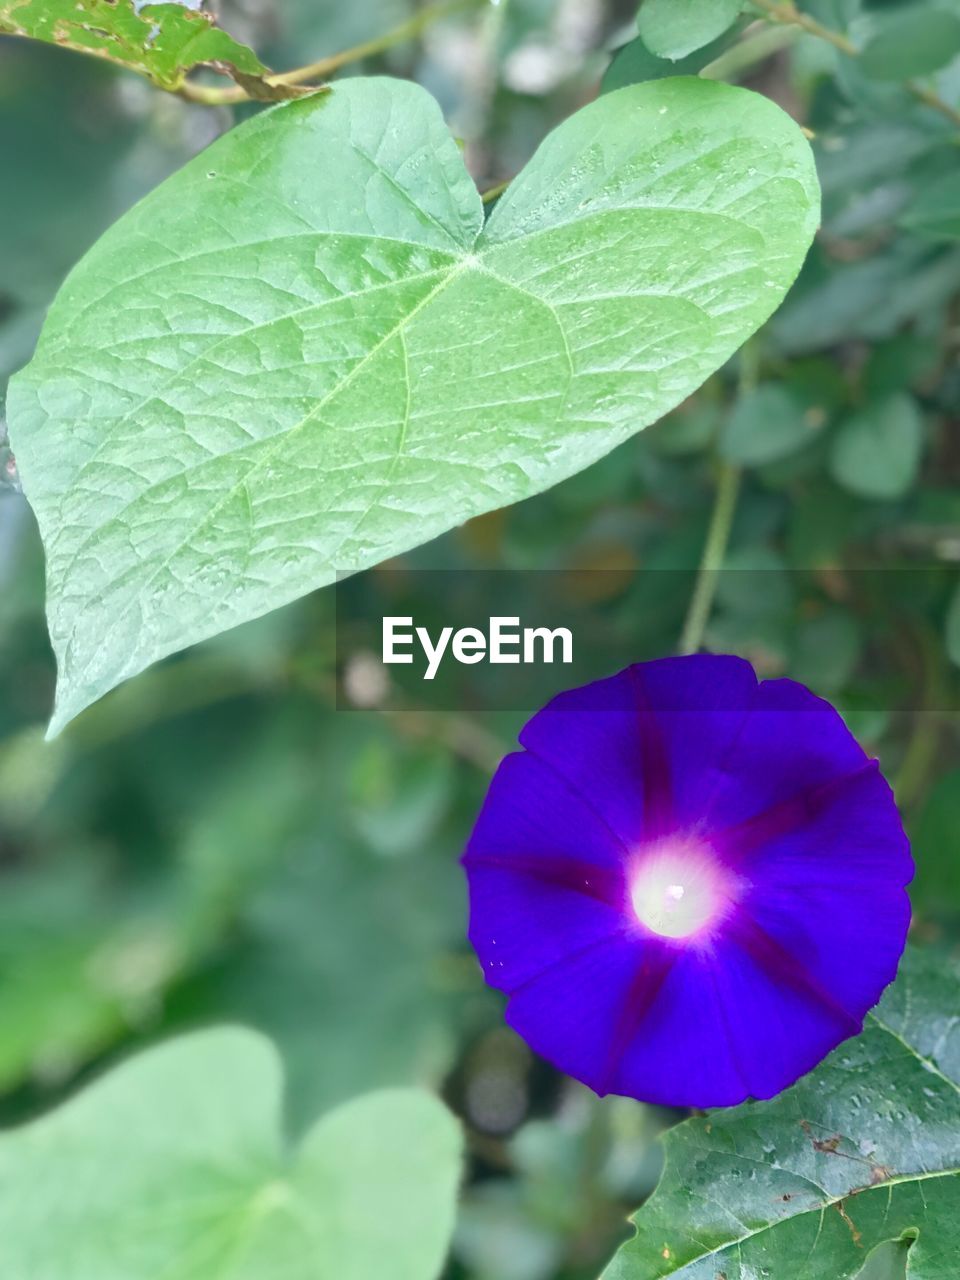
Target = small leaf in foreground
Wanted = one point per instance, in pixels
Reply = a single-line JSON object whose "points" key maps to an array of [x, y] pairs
{"points": [[174, 1164], [863, 1151], [277, 368], [160, 41], [675, 28]]}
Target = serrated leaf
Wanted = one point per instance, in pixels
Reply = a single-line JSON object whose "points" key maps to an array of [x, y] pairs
{"points": [[863, 1151], [877, 450], [161, 41], [174, 1164], [305, 353], [675, 28]]}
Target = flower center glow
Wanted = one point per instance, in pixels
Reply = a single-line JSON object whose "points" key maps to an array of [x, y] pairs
{"points": [[678, 888]]}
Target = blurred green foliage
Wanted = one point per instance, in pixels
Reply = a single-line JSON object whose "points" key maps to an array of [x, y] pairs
{"points": [[176, 1164], [215, 842]]}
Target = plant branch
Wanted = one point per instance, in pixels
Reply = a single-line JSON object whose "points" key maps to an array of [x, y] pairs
{"points": [[920, 758], [758, 44], [211, 96], [787, 12]]}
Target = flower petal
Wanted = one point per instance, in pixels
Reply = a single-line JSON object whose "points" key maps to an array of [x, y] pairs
{"points": [[582, 1013], [546, 875], [790, 742], [832, 892], [724, 1030], [640, 743]]}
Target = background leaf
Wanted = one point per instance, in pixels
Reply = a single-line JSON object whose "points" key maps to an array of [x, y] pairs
{"points": [[910, 41], [953, 628], [207, 1189], [864, 1150], [634, 62], [935, 211], [768, 423], [877, 450], [161, 41], [215, 423], [675, 28]]}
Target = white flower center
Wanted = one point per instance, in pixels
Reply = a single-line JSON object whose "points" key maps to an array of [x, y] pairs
{"points": [[678, 888]]}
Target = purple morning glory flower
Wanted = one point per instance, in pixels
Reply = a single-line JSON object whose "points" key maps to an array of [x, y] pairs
{"points": [[690, 884]]}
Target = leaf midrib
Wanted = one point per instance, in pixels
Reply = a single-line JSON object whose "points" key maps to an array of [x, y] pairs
{"points": [[97, 530], [270, 453], [161, 267], [927, 1063], [897, 1180], [482, 249], [452, 269]]}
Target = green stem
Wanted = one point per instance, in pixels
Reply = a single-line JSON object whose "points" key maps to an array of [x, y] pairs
{"points": [[721, 523], [923, 748], [718, 536], [325, 67], [756, 46], [787, 12]]}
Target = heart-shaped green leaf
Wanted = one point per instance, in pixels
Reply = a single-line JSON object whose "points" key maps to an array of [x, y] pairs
{"points": [[305, 352], [174, 1165], [877, 451], [863, 1153]]}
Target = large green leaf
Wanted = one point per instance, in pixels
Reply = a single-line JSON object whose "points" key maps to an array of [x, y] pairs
{"points": [[174, 1165], [160, 41], [863, 1151], [305, 353]]}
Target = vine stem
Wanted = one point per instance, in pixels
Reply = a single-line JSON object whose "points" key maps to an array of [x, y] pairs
{"points": [[786, 11], [714, 551], [721, 524], [756, 46], [211, 96], [924, 744]]}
